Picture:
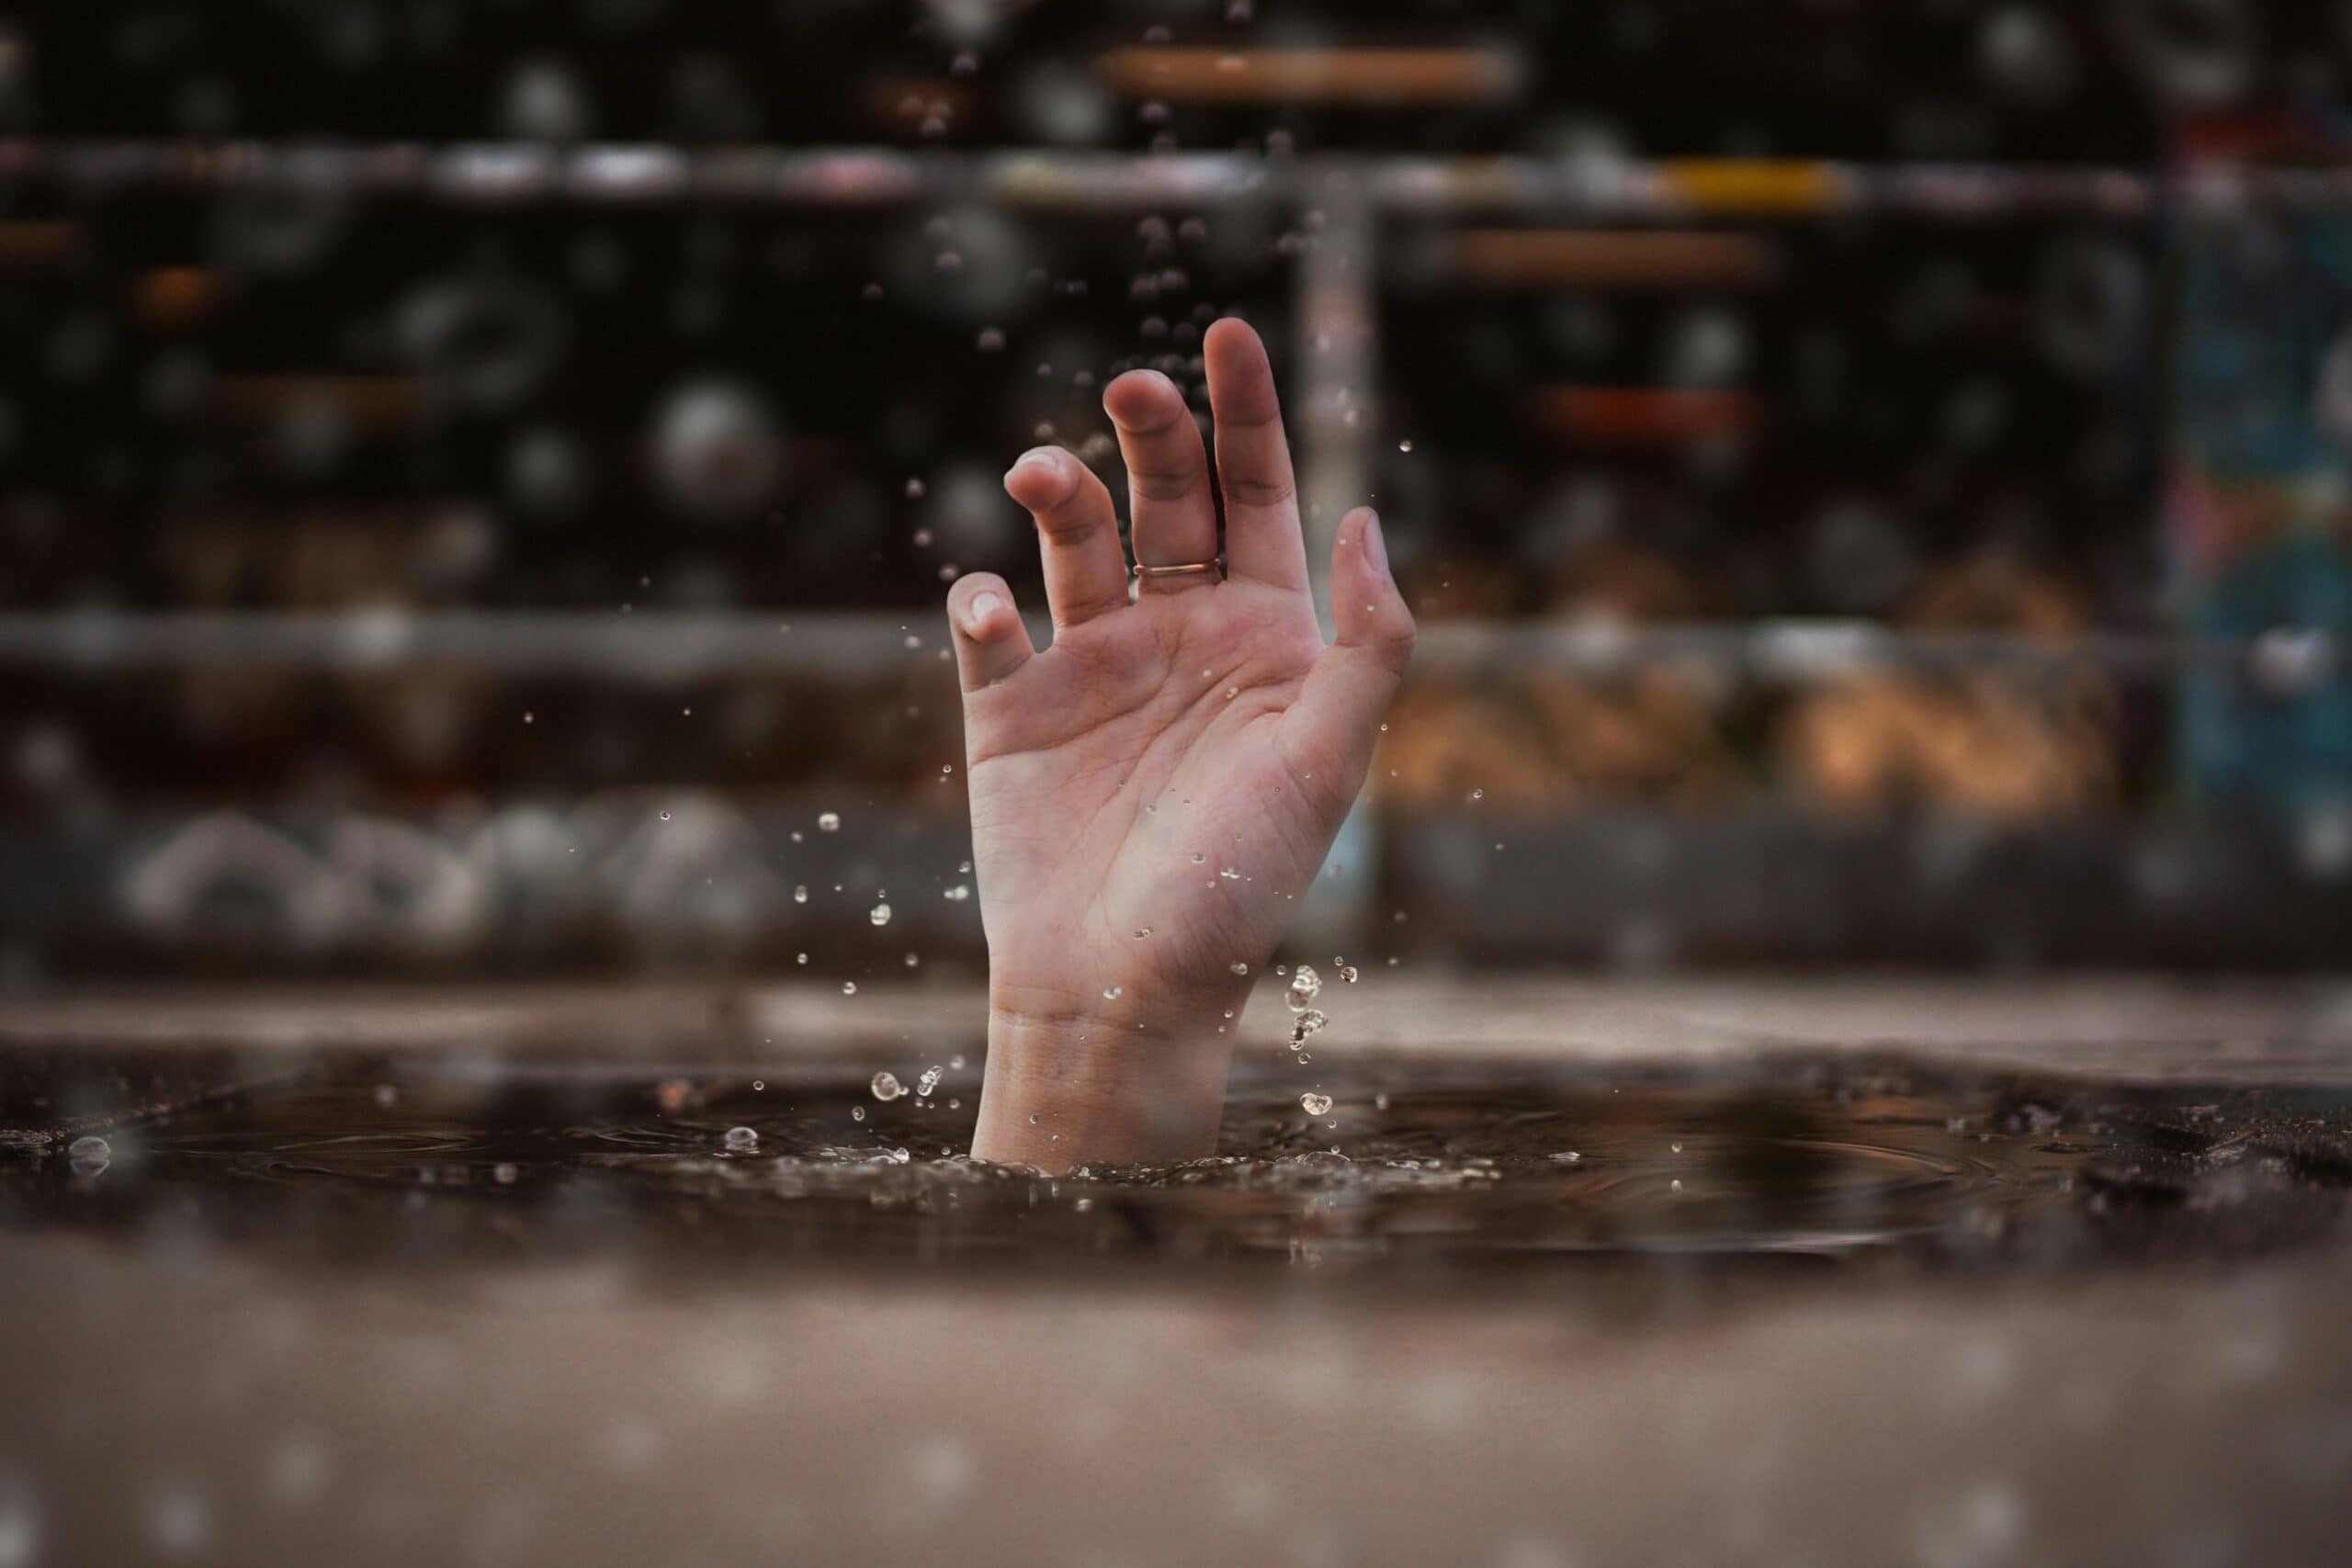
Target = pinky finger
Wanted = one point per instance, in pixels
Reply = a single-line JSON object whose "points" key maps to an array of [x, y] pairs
{"points": [[990, 641]]}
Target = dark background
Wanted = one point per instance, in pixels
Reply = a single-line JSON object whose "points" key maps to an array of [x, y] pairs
{"points": [[477, 480]]}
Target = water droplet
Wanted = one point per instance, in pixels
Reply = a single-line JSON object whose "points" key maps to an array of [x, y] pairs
{"points": [[956, 1064], [1311, 1021], [1304, 987], [857, 1113], [1113, 993], [879, 914], [1315, 1104], [1676, 1148], [742, 1140], [89, 1155], [957, 894], [800, 893], [928, 1081], [1675, 1185], [1238, 967], [1200, 860], [1231, 693], [1142, 932], [849, 987], [1231, 874], [885, 1087], [1348, 973], [385, 1097], [1404, 446], [991, 339], [666, 816], [829, 822], [504, 1175], [1478, 795]]}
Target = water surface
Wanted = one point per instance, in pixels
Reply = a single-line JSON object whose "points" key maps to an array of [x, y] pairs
{"points": [[1789, 1163]]}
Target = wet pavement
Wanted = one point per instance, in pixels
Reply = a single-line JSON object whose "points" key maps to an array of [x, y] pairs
{"points": [[527, 1283]]}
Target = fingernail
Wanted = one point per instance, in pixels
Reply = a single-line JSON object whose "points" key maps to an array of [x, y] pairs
{"points": [[1375, 548], [1035, 458], [1139, 377], [976, 614]]}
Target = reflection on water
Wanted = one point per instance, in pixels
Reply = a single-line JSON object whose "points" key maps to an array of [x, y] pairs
{"points": [[1865, 1164]]}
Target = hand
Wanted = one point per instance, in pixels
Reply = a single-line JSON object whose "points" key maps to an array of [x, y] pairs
{"points": [[1151, 795]]}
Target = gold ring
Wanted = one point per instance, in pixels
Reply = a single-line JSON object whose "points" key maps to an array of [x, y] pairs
{"points": [[1181, 568]]}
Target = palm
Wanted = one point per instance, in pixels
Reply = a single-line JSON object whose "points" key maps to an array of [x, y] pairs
{"points": [[1151, 793], [1118, 778]]}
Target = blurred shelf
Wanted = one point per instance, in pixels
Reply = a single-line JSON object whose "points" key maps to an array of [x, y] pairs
{"points": [[502, 171], [664, 647], [652, 646], [699, 880]]}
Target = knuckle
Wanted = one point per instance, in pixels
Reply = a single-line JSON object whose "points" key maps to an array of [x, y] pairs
{"points": [[1165, 484], [1262, 493], [1250, 415], [1067, 525]]}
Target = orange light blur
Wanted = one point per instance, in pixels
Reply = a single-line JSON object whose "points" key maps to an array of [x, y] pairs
{"points": [[365, 399], [28, 242], [174, 295], [1645, 416], [1755, 186], [1314, 76], [1612, 259]]}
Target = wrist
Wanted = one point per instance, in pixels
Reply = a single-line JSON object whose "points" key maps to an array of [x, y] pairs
{"points": [[1118, 1079]]}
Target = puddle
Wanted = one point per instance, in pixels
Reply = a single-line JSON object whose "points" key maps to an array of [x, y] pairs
{"points": [[1788, 1162]]}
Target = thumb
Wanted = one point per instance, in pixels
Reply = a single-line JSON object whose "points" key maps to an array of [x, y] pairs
{"points": [[1331, 730]]}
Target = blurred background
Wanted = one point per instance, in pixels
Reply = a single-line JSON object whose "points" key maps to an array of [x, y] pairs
{"points": [[477, 480], [489, 1022]]}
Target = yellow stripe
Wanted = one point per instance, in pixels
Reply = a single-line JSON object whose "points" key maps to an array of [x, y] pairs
{"points": [[1755, 186]]}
